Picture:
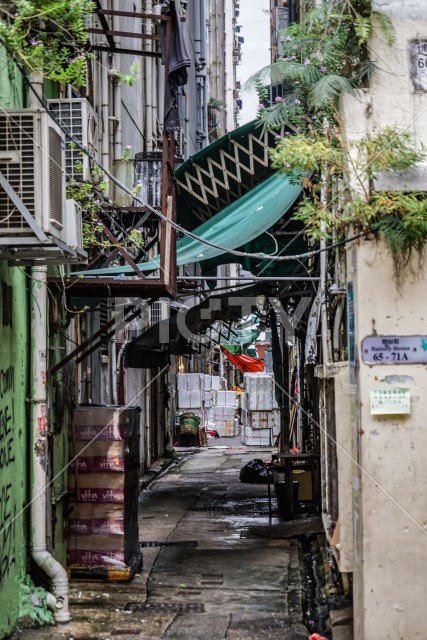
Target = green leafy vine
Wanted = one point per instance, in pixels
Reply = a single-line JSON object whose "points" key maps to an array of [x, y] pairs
{"points": [[91, 196], [49, 38]]}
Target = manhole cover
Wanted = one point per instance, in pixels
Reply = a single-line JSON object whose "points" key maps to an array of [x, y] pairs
{"points": [[177, 543], [166, 607]]}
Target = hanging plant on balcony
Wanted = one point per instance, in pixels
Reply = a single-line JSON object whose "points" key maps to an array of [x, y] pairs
{"points": [[92, 196], [48, 38]]}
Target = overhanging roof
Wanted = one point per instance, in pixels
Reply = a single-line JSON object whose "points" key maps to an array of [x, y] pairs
{"points": [[174, 335], [240, 222], [154, 347]]}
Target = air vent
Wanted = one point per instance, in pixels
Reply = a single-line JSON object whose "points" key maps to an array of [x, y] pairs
{"points": [[17, 158], [159, 311], [56, 191], [77, 118]]}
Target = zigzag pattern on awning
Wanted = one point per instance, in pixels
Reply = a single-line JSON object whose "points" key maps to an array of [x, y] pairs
{"points": [[223, 172]]}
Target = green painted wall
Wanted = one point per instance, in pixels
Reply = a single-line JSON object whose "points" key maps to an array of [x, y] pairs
{"points": [[21, 603], [12, 86], [13, 443]]}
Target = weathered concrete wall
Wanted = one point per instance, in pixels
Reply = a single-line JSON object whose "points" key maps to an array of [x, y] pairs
{"points": [[396, 101], [344, 465], [13, 444], [390, 503]]}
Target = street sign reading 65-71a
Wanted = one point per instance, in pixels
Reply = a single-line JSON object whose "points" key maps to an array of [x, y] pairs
{"points": [[394, 349]]}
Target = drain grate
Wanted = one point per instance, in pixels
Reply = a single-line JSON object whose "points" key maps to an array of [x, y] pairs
{"points": [[166, 607], [175, 543]]}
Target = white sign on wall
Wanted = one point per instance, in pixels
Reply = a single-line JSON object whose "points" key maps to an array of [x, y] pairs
{"points": [[390, 401], [418, 64], [394, 349]]}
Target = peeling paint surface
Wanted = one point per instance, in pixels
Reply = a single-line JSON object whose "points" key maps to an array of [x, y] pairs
{"points": [[397, 379]]}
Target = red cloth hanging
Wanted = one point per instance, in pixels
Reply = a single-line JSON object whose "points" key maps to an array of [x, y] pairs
{"points": [[244, 363]]}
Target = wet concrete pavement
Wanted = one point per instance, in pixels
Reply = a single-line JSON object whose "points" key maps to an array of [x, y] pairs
{"points": [[206, 574]]}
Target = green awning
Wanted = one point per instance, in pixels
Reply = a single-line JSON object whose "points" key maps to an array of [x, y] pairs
{"points": [[221, 173], [240, 222]]}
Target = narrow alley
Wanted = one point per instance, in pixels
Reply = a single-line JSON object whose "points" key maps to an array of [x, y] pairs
{"points": [[208, 572]]}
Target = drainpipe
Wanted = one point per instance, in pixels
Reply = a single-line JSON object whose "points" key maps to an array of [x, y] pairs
{"points": [[58, 599], [323, 309], [149, 119], [105, 139], [117, 88], [113, 369]]}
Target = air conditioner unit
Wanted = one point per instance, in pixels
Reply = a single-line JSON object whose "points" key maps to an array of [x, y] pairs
{"points": [[33, 217], [73, 225], [78, 118]]}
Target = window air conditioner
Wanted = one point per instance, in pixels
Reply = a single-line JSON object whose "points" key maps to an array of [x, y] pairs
{"points": [[78, 118], [34, 220]]}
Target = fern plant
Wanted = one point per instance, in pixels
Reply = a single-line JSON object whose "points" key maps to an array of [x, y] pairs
{"points": [[323, 56]]}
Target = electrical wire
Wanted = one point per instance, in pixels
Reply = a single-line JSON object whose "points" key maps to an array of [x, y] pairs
{"points": [[175, 225]]}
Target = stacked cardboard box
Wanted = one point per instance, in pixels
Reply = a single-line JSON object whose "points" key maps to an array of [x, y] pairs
{"points": [[103, 489]]}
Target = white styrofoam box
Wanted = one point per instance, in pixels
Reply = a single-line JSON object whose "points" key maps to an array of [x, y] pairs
{"points": [[259, 419], [262, 419], [257, 437], [215, 383], [252, 441], [207, 381], [261, 401], [226, 398], [219, 426], [209, 415], [189, 399], [223, 413], [189, 381], [259, 392], [207, 399]]}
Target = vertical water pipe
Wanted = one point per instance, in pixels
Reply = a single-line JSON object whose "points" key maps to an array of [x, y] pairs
{"points": [[58, 600], [117, 91], [148, 61]]}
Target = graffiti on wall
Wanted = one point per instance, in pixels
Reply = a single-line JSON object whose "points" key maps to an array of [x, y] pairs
{"points": [[8, 507]]}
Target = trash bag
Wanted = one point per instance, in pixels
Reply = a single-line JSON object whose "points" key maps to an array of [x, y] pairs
{"points": [[254, 471]]}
